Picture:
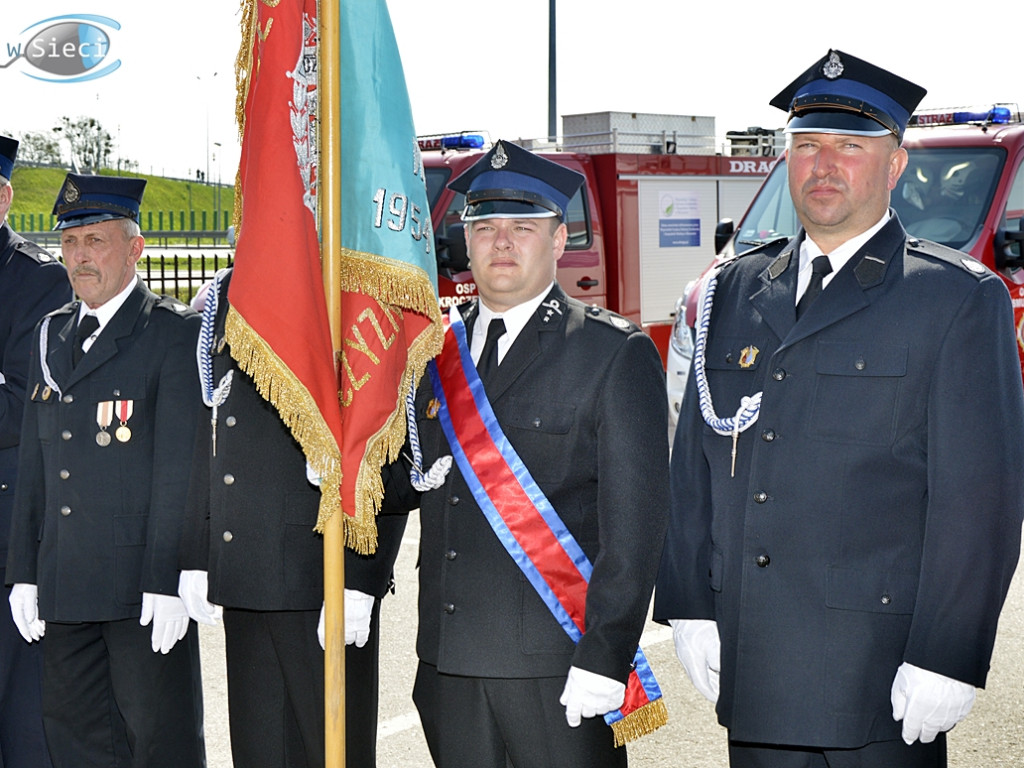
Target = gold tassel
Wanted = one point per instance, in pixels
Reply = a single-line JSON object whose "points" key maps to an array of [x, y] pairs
{"points": [[640, 722]]}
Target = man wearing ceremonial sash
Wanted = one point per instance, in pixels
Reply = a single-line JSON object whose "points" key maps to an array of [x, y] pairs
{"points": [[834, 575], [103, 472], [538, 550]]}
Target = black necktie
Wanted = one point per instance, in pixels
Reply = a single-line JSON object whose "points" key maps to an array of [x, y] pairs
{"points": [[488, 363], [820, 267], [86, 327]]}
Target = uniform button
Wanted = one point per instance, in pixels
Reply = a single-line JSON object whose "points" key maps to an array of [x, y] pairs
{"points": [[227, 536], [536, 422], [768, 435], [64, 474], [229, 479], [65, 435], [454, 500], [886, 599], [449, 608], [779, 374], [760, 497], [68, 399], [860, 365], [451, 554], [231, 421], [728, 358], [65, 511], [4, 486], [762, 560]]}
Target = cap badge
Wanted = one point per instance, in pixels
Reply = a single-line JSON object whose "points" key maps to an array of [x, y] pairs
{"points": [[832, 68], [748, 355], [499, 159], [71, 192]]}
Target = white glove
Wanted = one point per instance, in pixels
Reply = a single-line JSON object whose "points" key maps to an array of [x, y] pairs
{"points": [[358, 607], [169, 617], [193, 589], [320, 630], [928, 702], [587, 694], [700, 650], [25, 611]]}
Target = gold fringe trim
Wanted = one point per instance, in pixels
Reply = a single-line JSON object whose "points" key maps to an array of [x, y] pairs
{"points": [[407, 287], [244, 67], [300, 413], [391, 281], [641, 722]]}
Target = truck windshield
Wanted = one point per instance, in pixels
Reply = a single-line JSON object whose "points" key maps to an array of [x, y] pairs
{"points": [[942, 196]]}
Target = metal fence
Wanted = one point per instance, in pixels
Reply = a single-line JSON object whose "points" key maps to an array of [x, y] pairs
{"points": [[180, 272]]}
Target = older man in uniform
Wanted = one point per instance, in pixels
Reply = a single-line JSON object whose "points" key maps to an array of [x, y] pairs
{"points": [[106, 444], [32, 283], [847, 475], [559, 435], [250, 548]]}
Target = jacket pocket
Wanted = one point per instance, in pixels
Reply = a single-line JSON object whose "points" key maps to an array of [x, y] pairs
{"points": [[856, 392]]}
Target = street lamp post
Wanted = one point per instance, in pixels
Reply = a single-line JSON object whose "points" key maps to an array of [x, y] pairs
{"points": [[206, 101]]}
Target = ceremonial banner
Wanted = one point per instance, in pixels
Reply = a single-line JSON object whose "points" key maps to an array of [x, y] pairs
{"points": [[391, 323], [347, 413]]}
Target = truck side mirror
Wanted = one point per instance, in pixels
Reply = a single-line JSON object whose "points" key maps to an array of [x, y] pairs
{"points": [[723, 233], [451, 249], [1004, 240]]}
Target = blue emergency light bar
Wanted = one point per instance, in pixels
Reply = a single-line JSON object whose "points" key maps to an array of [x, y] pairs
{"points": [[452, 141], [996, 115]]}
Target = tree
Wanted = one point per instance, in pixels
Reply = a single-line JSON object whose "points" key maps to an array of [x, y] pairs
{"points": [[91, 145], [38, 147]]}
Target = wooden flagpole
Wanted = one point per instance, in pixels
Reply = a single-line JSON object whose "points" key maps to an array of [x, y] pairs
{"points": [[329, 124]]}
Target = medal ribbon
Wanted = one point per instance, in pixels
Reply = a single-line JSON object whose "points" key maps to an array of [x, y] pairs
{"points": [[104, 413], [125, 408], [525, 522]]}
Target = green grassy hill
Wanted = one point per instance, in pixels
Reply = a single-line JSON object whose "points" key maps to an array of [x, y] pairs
{"points": [[166, 204]]}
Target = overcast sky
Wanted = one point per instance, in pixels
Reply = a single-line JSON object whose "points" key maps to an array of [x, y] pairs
{"points": [[484, 65]]}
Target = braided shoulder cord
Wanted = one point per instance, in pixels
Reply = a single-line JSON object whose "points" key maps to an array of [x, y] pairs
{"points": [[750, 406], [434, 478]]}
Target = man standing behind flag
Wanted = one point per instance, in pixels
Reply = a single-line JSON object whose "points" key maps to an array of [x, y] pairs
{"points": [[250, 548], [564, 431], [106, 440]]}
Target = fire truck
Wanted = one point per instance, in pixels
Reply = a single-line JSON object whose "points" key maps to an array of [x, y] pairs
{"points": [[963, 187], [642, 224]]}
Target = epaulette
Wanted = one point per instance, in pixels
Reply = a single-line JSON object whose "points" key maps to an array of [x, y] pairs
{"points": [[761, 248], [949, 255], [174, 305], [35, 252], [69, 308], [607, 317]]}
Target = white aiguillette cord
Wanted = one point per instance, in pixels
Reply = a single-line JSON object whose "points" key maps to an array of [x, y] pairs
{"points": [[750, 406], [214, 397]]}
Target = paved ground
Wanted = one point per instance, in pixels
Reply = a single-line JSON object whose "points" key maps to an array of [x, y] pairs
{"points": [[991, 737]]}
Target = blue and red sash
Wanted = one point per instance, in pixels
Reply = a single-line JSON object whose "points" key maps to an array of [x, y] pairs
{"points": [[525, 522]]}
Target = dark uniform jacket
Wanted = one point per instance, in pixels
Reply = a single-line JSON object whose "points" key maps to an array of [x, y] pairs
{"points": [[96, 526], [875, 513], [580, 395], [32, 283], [251, 510]]}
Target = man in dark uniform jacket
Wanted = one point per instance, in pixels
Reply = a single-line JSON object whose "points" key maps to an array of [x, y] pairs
{"points": [[105, 452], [250, 548], [32, 283], [579, 394], [840, 547]]}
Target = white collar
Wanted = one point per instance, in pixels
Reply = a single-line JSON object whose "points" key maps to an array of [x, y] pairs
{"points": [[515, 319], [106, 311]]}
